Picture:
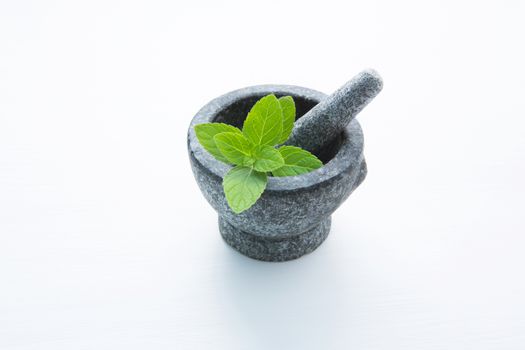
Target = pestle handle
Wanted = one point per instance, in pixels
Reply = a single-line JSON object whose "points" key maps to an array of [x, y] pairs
{"points": [[329, 117]]}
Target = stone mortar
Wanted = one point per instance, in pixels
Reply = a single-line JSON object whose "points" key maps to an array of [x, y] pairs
{"points": [[293, 215]]}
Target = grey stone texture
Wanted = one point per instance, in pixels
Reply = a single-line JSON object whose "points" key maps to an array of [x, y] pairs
{"points": [[326, 120], [293, 215], [278, 249]]}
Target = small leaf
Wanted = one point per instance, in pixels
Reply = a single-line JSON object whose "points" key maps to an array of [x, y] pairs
{"points": [[243, 186], [297, 161], [267, 158], [234, 147], [264, 123], [288, 107], [206, 132]]}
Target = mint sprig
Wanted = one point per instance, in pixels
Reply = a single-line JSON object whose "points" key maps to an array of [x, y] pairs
{"points": [[297, 161], [234, 147], [267, 158], [253, 150], [206, 133], [264, 123]]}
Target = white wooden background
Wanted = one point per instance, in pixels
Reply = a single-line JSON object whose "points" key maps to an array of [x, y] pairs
{"points": [[106, 242]]}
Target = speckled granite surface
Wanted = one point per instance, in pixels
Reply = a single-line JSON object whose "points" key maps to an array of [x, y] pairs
{"points": [[292, 217], [276, 249], [326, 120]]}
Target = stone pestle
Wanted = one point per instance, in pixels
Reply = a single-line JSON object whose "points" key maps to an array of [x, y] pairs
{"points": [[328, 118]]}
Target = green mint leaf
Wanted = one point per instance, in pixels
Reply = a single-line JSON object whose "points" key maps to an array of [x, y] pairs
{"points": [[297, 161], [264, 123], [205, 134], [267, 158], [288, 107], [243, 186], [234, 147]]}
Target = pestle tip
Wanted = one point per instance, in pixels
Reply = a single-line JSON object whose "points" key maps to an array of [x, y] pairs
{"points": [[373, 75], [319, 126]]}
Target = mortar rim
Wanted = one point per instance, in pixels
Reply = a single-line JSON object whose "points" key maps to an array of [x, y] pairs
{"points": [[350, 153]]}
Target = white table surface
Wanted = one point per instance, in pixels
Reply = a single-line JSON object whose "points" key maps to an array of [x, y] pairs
{"points": [[107, 243]]}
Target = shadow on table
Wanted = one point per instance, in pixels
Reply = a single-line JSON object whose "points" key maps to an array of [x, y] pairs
{"points": [[300, 304]]}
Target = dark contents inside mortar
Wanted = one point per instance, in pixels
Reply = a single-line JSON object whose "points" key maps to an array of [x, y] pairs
{"points": [[235, 113]]}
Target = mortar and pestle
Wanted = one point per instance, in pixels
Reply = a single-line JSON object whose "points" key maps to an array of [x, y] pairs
{"points": [[293, 215]]}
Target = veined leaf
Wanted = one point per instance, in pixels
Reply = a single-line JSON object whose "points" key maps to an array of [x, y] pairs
{"points": [[206, 132], [234, 147], [269, 122], [264, 123], [243, 186], [288, 108], [267, 158], [297, 161]]}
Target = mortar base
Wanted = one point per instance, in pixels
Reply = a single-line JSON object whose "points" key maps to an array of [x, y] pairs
{"points": [[274, 249]]}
